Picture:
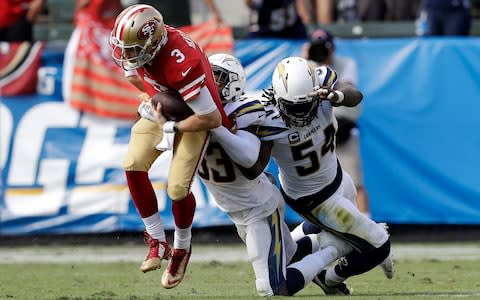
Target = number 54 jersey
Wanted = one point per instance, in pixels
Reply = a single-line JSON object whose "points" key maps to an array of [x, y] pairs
{"points": [[305, 155]]}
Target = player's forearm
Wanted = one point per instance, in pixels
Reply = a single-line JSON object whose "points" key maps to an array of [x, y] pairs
{"points": [[200, 122], [261, 163], [351, 95], [242, 147]]}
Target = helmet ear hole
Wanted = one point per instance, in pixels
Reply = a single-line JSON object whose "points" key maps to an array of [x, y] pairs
{"points": [[229, 76]]}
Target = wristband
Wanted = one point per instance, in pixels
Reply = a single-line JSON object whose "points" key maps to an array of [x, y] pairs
{"points": [[170, 127], [340, 97]]}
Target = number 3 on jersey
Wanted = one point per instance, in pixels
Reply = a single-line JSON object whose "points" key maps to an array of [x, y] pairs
{"points": [[178, 54]]}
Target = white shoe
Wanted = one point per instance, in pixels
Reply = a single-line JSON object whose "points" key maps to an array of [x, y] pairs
{"points": [[387, 266]]}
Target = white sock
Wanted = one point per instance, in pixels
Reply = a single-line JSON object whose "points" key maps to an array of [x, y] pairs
{"points": [[182, 238], [315, 242], [312, 264], [154, 227], [297, 233], [331, 278]]}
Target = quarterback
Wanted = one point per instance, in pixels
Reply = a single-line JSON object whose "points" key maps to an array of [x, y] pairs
{"points": [[300, 129], [164, 58]]}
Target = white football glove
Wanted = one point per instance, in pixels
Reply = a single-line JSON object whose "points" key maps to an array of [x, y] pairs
{"points": [[167, 142], [169, 129], [145, 110], [333, 96]]}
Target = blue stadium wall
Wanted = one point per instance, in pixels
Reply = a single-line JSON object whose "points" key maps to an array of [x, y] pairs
{"points": [[61, 170]]}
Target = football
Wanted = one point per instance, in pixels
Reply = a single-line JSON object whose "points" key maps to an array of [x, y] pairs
{"points": [[174, 107]]}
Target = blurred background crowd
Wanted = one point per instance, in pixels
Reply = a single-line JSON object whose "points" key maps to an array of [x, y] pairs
{"points": [[53, 19]]}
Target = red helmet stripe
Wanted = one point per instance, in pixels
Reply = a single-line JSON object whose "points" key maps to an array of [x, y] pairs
{"points": [[125, 16], [117, 21]]}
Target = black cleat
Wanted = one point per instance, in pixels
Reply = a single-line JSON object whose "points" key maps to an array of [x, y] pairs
{"points": [[339, 289]]}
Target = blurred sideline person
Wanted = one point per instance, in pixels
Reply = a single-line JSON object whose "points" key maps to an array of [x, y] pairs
{"points": [[321, 51], [100, 14], [275, 19], [237, 180], [213, 9], [164, 58], [301, 128], [17, 18], [316, 11], [444, 17]]}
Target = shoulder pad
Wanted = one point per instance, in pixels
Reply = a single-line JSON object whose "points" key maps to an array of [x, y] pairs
{"points": [[246, 111], [273, 127]]}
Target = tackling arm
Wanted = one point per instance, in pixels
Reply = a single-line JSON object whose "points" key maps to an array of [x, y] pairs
{"points": [[236, 145], [352, 96], [261, 163], [251, 162]]}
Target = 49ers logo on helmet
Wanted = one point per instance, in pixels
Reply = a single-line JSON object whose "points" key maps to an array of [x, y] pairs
{"points": [[147, 30]]}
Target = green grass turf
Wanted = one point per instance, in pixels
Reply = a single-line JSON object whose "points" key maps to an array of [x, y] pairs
{"points": [[425, 279]]}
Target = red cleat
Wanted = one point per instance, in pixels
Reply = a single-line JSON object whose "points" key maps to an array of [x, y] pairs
{"points": [[156, 252], [175, 271]]}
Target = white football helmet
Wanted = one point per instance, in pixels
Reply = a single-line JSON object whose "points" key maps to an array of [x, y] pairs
{"points": [[229, 76], [292, 81], [138, 34]]}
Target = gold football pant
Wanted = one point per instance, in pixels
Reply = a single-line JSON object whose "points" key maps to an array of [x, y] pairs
{"points": [[187, 154]]}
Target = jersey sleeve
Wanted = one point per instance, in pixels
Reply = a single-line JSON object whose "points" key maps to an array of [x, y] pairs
{"points": [[188, 78], [272, 128], [246, 112]]}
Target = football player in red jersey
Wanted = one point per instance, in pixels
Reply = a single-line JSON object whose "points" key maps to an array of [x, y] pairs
{"points": [[165, 58], [17, 18]]}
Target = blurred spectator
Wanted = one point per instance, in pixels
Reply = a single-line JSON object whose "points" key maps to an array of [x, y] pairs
{"points": [[91, 81], [444, 17], [17, 18], [381, 10], [321, 51], [101, 12], [316, 11], [346, 11], [275, 19], [213, 9], [371, 10], [400, 10], [375, 10]]}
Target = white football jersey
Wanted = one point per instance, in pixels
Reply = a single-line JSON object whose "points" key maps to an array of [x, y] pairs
{"points": [[224, 179], [305, 155]]}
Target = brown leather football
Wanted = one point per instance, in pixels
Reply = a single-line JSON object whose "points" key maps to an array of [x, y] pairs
{"points": [[174, 107]]}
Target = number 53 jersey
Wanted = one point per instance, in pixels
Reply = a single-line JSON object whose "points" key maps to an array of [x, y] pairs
{"points": [[233, 191], [305, 155]]}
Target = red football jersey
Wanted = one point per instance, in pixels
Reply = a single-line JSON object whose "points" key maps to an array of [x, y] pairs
{"points": [[181, 65], [11, 11]]}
